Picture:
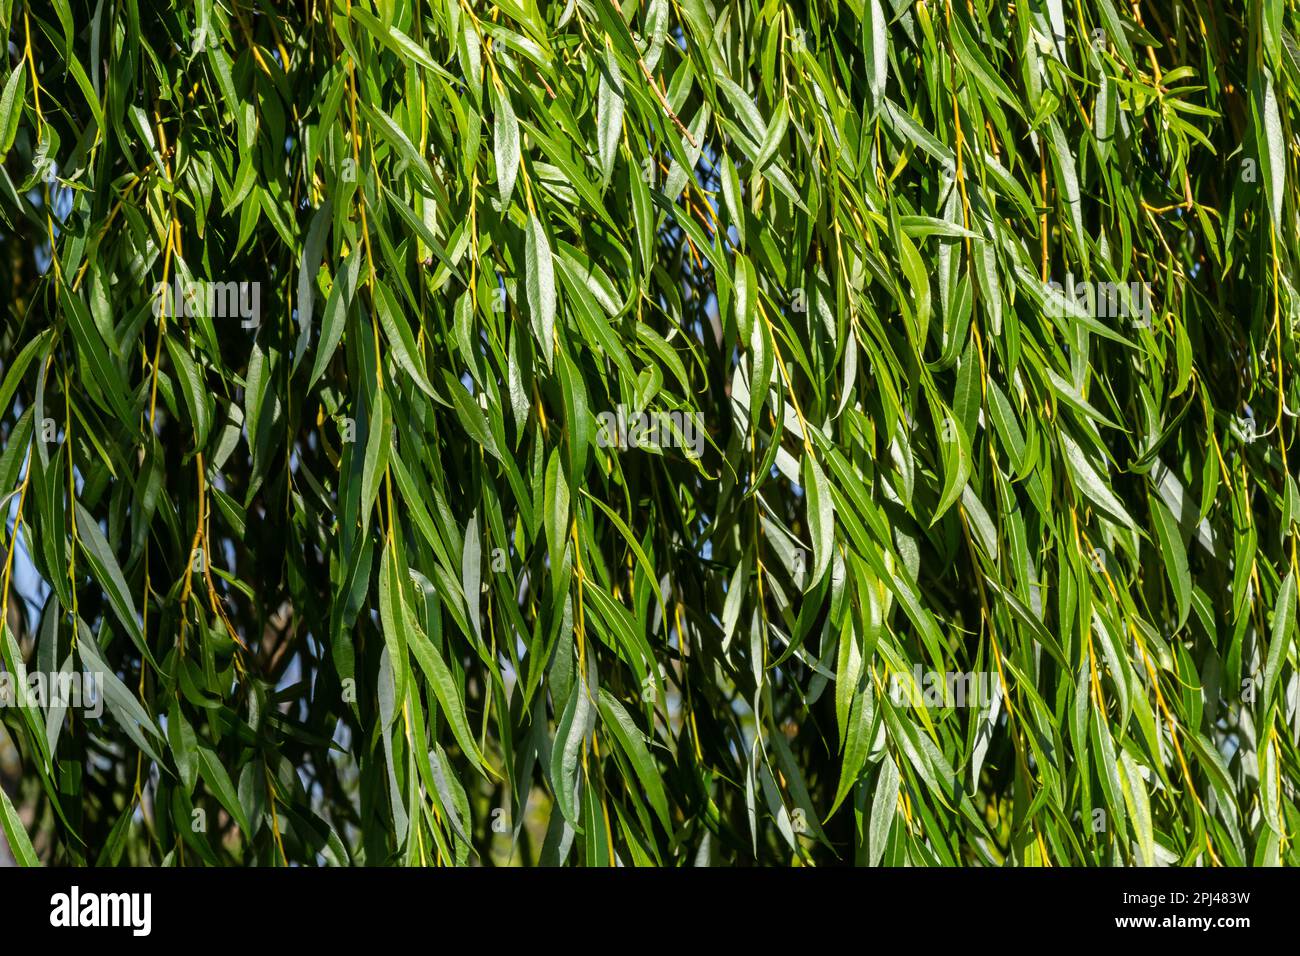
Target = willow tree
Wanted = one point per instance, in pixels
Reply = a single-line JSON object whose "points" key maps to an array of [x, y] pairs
{"points": [[668, 432]]}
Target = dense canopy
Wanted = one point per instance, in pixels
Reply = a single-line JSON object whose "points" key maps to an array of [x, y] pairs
{"points": [[650, 432]]}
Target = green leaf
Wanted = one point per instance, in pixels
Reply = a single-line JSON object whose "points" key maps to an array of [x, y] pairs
{"points": [[875, 44], [609, 113], [566, 754], [121, 703], [506, 143], [884, 805], [107, 378], [471, 417], [619, 722], [406, 49], [104, 567], [1091, 483], [444, 688], [11, 104], [308, 265], [17, 367], [196, 395], [1280, 640], [821, 518], [379, 446], [1139, 807], [218, 781], [1274, 155], [557, 510], [540, 284], [19, 843], [336, 309], [1174, 553], [401, 339], [184, 744]]}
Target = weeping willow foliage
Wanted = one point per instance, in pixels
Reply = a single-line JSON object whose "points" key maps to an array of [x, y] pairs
{"points": [[651, 432]]}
